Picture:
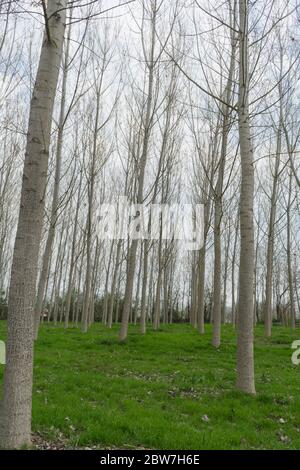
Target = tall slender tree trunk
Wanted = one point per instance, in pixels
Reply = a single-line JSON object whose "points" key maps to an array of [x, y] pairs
{"points": [[271, 231], [105, 300], [194, 296], [255, 283], [57, 303], [137, 293], [56, 272], [216, 339], [72, 261], [245, 354], [217, 304], [89, 222], [94, 282], [296, 289], [233, 306], [289, 255], [114, 283], [201, 288], [166, 290], [15, 417], [144, 287], [118, 298], [79, 299], [55, 197], [141, 176], [150, 296], [226, 262], [202, 251], [156, 320]]}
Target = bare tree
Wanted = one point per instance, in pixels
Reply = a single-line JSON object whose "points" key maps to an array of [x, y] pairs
{"points": [[16, 406]]}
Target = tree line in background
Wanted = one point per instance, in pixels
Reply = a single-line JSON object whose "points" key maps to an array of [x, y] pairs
{"points": [[162, 102]]}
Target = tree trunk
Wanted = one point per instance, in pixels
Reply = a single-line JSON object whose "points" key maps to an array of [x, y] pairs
{"points": [[289, 256], [89, 222], [245, 355], [233, 307], [156, 321], [105, 299], [72, 261], [144, 287], [114, 283], [226, 256], [141, 176], [271, 233], [217, 317], [17, 399], [55, 197]]}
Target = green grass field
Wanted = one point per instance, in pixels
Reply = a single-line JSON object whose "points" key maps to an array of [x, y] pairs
{"points": [[167, 390]]}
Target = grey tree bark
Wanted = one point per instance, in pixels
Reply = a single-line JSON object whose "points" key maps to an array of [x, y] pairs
{"points": [[17, 399], [90, 215], [55, 197], [141, 176], [245, 354], [271, 229], [114, 284], [289, 255], [72, 260], [216, 339]]}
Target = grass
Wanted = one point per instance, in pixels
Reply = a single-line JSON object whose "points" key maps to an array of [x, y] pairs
{"points": [[167, 390]]}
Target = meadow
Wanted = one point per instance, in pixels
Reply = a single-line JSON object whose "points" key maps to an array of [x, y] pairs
{"points": [[166, 390]]}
